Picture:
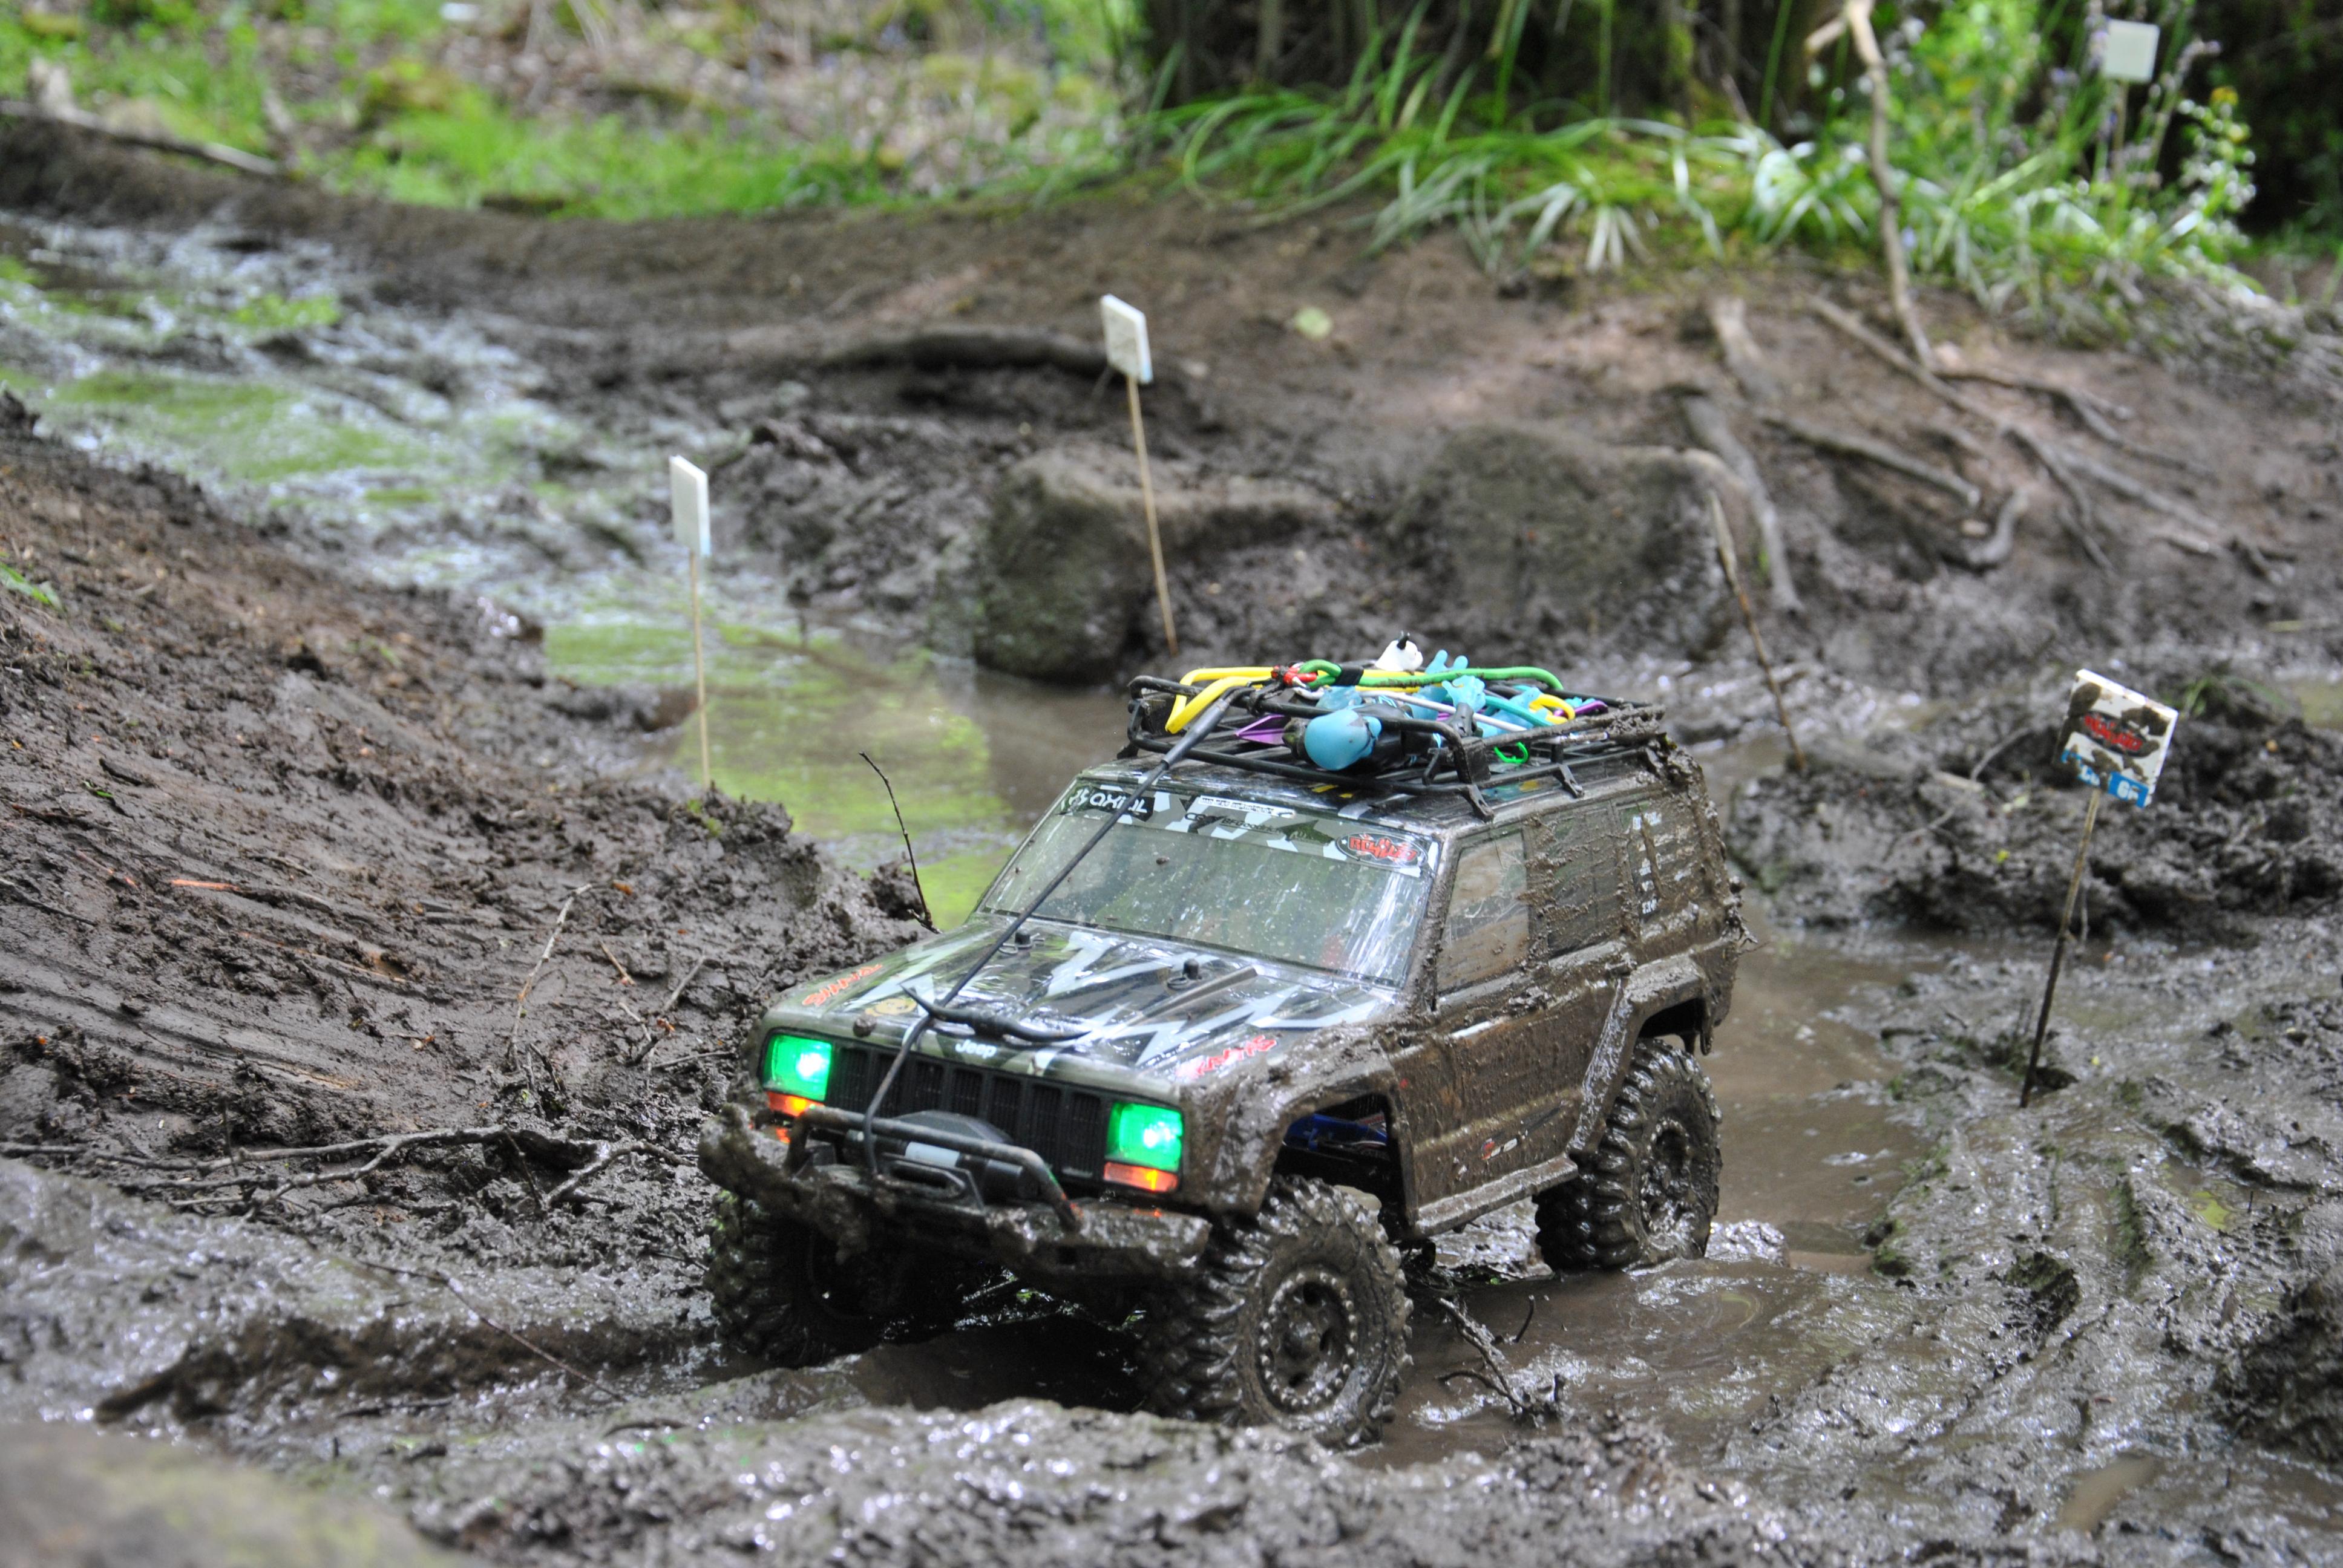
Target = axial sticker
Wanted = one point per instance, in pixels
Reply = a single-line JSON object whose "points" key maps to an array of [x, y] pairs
{"points": [[2115, 739], [1220, 1058], [1099, 798], [831, 990], [1378, 847]]}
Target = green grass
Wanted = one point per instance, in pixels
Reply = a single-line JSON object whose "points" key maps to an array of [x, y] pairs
{"points": [[2009, 189]]}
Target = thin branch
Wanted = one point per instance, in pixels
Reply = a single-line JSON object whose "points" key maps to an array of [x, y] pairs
{"points": [[79, 120], [446, 1282], [926, 915]]}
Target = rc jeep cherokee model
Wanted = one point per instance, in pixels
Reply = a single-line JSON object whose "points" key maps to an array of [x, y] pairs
{"points": [[1334, 958]]}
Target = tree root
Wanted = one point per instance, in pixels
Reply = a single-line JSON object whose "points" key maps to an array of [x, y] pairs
{"points": [[972, 348], [1728, 318], [1984, 555], [1878, 452], [2062, 464], [1710, 429]]}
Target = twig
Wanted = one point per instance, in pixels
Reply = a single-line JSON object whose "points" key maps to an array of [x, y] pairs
{"points": [[1500, 1377], [195, 1175], [1878, 452], [2131, 489], [650, 1039], [1855, 20], [1724, 555], [624, 978], [926, 915], [211, 152], [551, 937], [446, 1282], [604, 1155]]}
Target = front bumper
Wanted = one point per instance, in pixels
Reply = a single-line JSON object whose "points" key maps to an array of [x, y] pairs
{"points": [[857, 1210]]}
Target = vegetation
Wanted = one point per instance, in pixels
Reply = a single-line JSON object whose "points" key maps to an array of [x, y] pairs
{"points": [[1556, 138]]}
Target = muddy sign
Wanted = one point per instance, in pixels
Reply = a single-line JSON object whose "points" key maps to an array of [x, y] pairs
{"points": [[2115, 739]]}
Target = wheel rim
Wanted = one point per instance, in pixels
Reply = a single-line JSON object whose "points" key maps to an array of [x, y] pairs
{"points": [[1671, 1207], [1306, 1334]]}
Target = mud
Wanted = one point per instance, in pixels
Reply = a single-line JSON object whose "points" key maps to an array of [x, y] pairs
{"points": [[1966, 823], [866, 465], [283, 854]]}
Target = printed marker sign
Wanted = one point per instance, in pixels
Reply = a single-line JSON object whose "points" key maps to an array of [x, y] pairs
{"points": [[1126, 340], [1126, 350], [2129, 52], [688, 495], [2115, 739]]}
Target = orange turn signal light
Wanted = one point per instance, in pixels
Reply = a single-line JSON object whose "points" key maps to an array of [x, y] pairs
{"points": [[1141, 1176], [788, 1105]]}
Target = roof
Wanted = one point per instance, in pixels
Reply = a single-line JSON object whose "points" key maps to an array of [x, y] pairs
{"points": [[1441, 813]]}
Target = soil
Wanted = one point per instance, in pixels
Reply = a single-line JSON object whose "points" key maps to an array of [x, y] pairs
{"points": [[293, 862]]}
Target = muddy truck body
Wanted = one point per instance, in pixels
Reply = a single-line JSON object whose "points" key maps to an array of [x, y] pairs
{"points": [[1251, 1035]]}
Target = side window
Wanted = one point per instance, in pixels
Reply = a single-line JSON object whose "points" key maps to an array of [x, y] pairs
{"points": [[1582, 873], [1488, 931]]}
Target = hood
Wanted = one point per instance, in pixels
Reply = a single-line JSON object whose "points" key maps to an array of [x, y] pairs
{"points": [[1144, 1003]]}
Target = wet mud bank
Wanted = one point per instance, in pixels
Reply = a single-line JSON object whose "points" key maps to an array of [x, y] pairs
{"points": [[278, 879], [906, 415], [296, 865]]}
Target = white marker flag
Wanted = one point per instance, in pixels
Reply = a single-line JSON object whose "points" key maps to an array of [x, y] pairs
{"points": [[1126, 340], [688, 488], [2114, 738], [2129, 55]]}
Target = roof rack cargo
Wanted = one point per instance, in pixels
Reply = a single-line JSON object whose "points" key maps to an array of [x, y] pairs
{"points": [[1398, 723]]}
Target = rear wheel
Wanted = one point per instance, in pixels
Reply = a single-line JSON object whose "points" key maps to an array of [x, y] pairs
{"points": [[1649, 1190], [1296, 1318]]}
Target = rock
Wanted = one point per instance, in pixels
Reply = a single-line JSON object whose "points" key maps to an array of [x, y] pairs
{"points": [[1520, 536], [68, 1494], [1063, 584]]}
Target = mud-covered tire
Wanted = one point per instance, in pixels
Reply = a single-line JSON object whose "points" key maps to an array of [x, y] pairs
{"points": [[1296, 1318], [1648, 1192], [779, 1291]]}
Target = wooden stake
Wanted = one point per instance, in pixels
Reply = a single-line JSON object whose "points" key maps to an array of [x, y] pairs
{"points": [[1146, 500], [2059, 950], [699, 678], [1725, 553]]}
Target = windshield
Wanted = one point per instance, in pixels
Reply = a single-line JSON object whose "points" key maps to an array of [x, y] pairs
{"points": [[1292, 886]]}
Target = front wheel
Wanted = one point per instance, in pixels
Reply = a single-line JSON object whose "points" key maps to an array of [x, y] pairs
{"points": [[1296, 1318], [779, 1289], [1648, 1192]]}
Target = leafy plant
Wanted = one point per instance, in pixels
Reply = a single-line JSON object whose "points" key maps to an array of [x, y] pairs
{"points": [[17, 581]]}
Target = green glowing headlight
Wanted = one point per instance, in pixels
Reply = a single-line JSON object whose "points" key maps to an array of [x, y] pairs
{"points": [[795, 1064], [1147, 1135]]}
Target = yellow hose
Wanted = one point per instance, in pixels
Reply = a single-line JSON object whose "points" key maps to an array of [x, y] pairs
{"points": [[1226, 682]]}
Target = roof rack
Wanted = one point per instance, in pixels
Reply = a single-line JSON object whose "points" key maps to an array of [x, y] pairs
{"points": [[1399, 724]]}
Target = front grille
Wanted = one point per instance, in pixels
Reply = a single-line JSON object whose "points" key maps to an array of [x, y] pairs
{"points": [[1066, 1127]]}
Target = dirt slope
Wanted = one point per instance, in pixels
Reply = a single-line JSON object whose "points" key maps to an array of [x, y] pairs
{"points": [[283, 856]]}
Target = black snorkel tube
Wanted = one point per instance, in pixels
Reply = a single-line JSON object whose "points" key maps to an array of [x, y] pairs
{"points": [[1188, 740]]}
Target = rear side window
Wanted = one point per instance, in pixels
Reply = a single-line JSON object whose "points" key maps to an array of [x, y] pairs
{"points": [[1663, 855], [1488, 931]]}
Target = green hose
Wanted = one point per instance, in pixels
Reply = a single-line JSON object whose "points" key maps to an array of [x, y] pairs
{"points": [[1329, 669], [1546, 678]]}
